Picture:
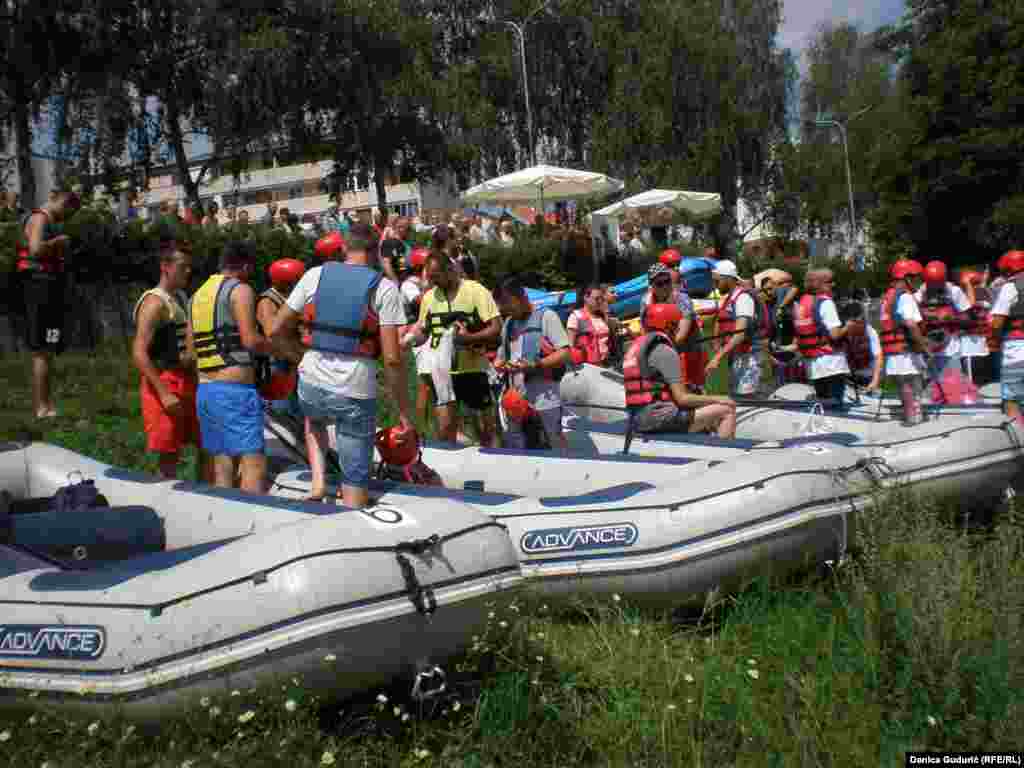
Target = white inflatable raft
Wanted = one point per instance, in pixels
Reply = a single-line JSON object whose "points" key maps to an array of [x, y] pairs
{"points": [[960, 454], [228, 590], [657, 530]]}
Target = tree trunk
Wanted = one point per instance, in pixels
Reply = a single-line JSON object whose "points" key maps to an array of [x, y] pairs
{"points": [[379, 182], [23, 150], [178, 145]]}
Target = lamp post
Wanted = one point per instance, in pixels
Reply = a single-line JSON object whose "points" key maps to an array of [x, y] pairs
{"points": [[520, 29], [841, 125]]}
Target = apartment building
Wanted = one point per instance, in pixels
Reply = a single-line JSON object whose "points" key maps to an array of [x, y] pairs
{"points": [[296, 186]]}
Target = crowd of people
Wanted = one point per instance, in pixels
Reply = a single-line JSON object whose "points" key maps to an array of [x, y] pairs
{"points": [[310, 346]]}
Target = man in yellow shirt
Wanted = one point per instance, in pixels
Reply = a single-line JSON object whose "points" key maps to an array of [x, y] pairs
{"points": [[469, 310]]}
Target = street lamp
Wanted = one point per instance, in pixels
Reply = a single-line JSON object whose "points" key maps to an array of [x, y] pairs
{"points": [[520, 29], [841, 125]]}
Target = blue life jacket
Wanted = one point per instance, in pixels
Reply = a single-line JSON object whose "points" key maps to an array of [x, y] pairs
{"points": [[340, 319]]}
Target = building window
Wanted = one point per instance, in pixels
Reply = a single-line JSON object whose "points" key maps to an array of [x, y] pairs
{"points": [[249, 198], [295, 191]]}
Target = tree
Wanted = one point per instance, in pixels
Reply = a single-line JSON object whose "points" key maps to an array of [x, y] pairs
{"points": [[951, 173]]}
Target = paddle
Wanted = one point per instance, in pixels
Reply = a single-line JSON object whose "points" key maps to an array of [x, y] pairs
{"points": [[269, 417]]}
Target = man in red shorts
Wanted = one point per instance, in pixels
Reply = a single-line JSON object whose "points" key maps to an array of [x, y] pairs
{"points": [[167, 385]]}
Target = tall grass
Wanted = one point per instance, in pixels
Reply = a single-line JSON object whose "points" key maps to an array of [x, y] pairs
{"points": [[914, 642]]}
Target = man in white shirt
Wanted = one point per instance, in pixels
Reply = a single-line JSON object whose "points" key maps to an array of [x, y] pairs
{"points": [[1008, 326], [738, 327], [902, 338], [819, 334], [943, 308], [352, 315]]}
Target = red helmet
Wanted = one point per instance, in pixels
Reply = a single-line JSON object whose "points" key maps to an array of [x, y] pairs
{"points": [[904, 267], [1001, 264], [392, 451], [330, 246], [935, 272], [286, 271], [516, 406], [670, 257], [1013, 262], [418, 257], [660, 317]]}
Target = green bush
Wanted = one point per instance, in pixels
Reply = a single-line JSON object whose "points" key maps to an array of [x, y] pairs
{"points": [[537, 260]]}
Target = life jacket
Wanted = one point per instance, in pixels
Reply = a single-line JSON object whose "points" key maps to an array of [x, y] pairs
{"points": [[438, 322], [858, 350], [278, 377], [50, 262], [217, 338], [588, 339], [412, 308], [812, 337], [693, 356], [535, 345], [980, 315], [941, 320], [758, 327], [641, 388], [168, 342], [895, 338], [1014, 326], [341, 319]]}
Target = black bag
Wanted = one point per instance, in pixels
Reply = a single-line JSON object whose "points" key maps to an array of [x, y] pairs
{"points": [[76, 496]]}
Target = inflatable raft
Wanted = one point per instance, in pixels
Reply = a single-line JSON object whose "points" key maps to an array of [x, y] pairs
{"points": [[659, 530], [960, 454], [193, 590]]}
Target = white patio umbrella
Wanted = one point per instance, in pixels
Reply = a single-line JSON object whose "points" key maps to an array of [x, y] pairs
{"points": [[695, 205], [539, 182]]}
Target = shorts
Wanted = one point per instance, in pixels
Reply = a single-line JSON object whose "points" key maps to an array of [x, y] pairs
{"points": [[230, 418], [551, 421], [662, 417], [744, 374], [44, 328], [166, 433], [424, 359], [473, 390], [1013, 384], [355, 425]]}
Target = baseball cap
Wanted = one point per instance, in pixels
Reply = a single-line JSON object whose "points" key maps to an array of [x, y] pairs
{"points": [[725, 268], [656, 270]]}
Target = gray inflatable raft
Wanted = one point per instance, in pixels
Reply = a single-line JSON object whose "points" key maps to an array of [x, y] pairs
{"points": [[226, 590], [970, 456], [661, 530]]}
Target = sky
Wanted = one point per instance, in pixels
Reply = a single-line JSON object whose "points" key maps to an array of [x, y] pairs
{"points": [[801, 17]]}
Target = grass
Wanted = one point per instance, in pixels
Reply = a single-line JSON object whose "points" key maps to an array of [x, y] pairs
{"points": [[914, 643]]}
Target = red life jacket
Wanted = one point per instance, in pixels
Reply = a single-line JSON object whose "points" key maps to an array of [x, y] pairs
{"points": [[281, 376], [939, 314], [48, 262], [588, 339], [857, 346], [641, 389], [1014, 326], [812, 337], [727, 320], [343, 294], [895, 337], [693, 357]]}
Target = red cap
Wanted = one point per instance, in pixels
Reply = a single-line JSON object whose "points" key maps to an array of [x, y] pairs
{"points": [[286, 271], [330, 246]]}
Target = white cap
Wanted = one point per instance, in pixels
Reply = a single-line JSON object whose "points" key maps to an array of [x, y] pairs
{"points": [[725, 268]]}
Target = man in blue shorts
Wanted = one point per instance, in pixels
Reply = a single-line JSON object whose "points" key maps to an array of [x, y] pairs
{"points": [[226, 338]]}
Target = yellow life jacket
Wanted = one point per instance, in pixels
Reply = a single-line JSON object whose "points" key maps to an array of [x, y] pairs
{"points": [[216, 334]]}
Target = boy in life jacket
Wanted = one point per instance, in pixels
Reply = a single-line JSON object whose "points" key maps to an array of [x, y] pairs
{"points": [[944, 308], [42, 281], [226, 339], [534, 352], [656, 396], [1008, 329], [279, 387], [819, 335], [903, 341], [742, 328], [352, 314], [167, 373], [687, 340], [588, 327], [974, 343], [863, 348], [414, 286]]}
